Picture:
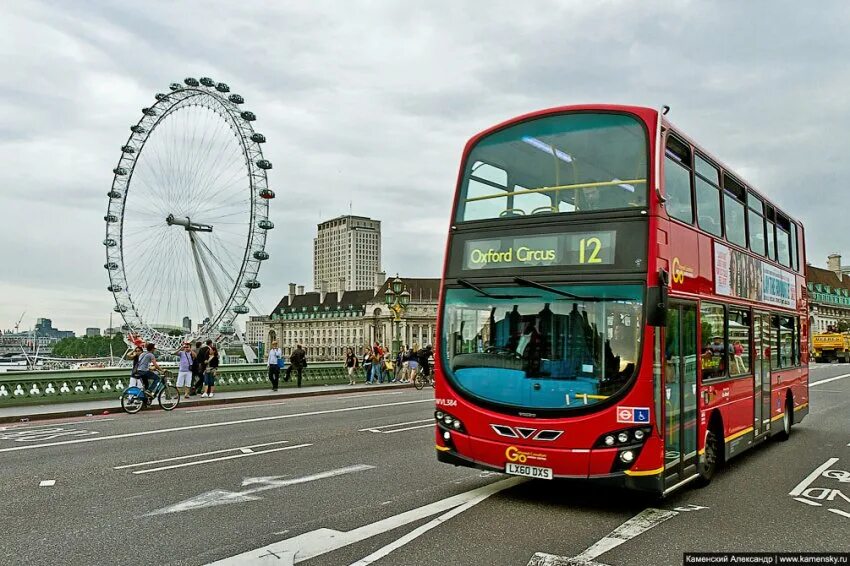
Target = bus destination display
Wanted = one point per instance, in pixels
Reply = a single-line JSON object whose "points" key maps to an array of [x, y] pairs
{"points": [[566, 249]]}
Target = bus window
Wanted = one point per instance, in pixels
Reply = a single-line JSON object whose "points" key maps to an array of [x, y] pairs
{"points": [[485, 179], [739, 338], [708, 207], [736, 231], [794, 251], [771, 240], [677, 186], [578, 161], [783, 250], [713, 350]]}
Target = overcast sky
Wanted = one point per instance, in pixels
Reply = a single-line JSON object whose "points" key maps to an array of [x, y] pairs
{"points": [[371, 102]]}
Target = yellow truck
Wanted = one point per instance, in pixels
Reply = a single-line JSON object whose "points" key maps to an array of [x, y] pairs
{"points": [[830, 346]]}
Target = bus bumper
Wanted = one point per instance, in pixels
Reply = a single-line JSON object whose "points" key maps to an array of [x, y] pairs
{"points": [[646, 483]]}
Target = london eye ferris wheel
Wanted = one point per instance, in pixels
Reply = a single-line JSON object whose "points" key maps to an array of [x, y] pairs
{"points": [[187, 220]]}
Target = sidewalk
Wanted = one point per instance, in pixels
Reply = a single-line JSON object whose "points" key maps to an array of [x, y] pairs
{"points": [[60, 410]]}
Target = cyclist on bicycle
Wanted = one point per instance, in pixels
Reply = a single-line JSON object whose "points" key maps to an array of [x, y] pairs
{"points": [[143, 372], [423, 356]]}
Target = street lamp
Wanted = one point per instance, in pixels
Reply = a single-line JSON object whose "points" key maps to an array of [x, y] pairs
{"points": [[397, 297]]}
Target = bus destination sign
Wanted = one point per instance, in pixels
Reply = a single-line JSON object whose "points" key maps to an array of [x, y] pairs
{"points": [[564, 249]]}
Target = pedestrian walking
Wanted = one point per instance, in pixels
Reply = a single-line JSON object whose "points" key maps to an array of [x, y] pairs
{"points": [[134, 355], [211, 371], [297, 363], [275, 363], [377, 363], [202, 358], [367, 364], [185, 360], [412, 363], [350, 364]]}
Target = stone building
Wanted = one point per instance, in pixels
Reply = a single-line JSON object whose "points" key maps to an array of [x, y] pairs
{"points": [[829, 295], [326, 323]]}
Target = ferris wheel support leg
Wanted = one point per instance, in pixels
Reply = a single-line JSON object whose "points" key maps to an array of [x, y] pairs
{"points": [[201, 278]]}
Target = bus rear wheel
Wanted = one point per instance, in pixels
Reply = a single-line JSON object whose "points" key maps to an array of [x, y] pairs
{"points": [[710, 458], [787, 421]]}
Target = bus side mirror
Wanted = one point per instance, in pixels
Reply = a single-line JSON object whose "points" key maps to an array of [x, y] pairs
{"points": [[657, 300]]}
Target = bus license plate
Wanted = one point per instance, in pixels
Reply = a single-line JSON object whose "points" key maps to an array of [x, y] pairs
{"points": [[529, 471]]}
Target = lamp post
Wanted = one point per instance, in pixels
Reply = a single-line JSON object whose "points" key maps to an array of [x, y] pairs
{"points": [[397, 297]]}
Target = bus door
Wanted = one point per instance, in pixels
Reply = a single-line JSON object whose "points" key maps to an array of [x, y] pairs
{"points": [[761, 369], [680, 393]]}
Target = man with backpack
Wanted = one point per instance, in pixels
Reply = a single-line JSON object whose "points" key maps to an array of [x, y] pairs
{"points": [[200, 365]]}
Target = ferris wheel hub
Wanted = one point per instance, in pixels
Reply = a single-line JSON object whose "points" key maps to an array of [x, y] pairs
{"points": [[190, 226]]}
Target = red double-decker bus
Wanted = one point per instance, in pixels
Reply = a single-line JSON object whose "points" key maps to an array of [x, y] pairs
{"points": [[616, 304]]}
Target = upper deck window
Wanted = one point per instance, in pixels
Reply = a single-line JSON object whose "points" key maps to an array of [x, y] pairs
{"points": [[578, 162]]}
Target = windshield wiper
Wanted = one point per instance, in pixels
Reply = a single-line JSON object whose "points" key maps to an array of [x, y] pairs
{"points": [[543, 287], [477, 289]]}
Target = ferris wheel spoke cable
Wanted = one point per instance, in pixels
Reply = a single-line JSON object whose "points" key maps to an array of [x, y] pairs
{"points": [[216, 185], [230, 279]]}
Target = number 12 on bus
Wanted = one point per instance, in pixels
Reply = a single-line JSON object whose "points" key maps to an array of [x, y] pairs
{"points": [[617, 305]]}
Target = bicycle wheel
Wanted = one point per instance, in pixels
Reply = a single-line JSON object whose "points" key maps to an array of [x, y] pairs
{"points": [[419, 380], [169, 397], [131, 402]]}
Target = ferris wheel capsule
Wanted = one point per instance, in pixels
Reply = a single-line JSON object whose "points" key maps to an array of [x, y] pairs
{"points": [[148, 111], [252, 284], [113, 195], [261, 255], [160, 95], [266, 194], [240, 309], [250, 116], [128, 149], [206, 81], [265, 224], [222, 87], [191, 82], [264, 164], [236, 99], [138, 129], [175, 86], [259, 138]]}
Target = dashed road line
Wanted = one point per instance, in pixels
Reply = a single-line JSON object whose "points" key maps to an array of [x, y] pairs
{"points": [[175, 458], [221, 459]]}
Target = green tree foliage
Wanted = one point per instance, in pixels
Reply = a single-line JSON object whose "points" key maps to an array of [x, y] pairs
{"points": [[89, 347]]}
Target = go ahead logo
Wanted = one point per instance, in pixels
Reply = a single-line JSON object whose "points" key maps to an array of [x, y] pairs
{"points": [[633, 415]]}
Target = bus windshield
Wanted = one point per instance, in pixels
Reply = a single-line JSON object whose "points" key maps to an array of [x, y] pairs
{"points": [[564, 163], [542, 346]]}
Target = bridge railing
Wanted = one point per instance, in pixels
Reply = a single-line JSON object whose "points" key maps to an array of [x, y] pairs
{"points": [[58, 386]]}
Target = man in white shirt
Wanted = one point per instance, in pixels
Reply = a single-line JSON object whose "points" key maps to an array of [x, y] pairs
{"points": [[274, 365]]}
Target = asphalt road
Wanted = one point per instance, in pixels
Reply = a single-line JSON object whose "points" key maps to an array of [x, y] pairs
{"points": [[352, 479]]}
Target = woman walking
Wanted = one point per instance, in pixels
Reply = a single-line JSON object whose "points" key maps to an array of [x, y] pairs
{"points": [[275, 358], [212, 370], [412, 363], [350, 364], [367, 363]]}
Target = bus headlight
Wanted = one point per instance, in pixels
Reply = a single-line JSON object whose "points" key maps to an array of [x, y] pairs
{"points": [[639, 434], [627, 456], [439, 415], [456, 425], [447, 435], [448, 419], [609, 440], [623, 437], [447, 422]]}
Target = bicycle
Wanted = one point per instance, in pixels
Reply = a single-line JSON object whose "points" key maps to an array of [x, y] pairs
{"points": [[166, 394], [420, 379]]}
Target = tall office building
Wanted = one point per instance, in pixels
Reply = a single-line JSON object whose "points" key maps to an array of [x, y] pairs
{"points": [[346, 254]]}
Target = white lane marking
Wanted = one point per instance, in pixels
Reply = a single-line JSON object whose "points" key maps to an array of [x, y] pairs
{"points": [[41, 434], [818, 382], [223, 497], [256, 405], [389, 426], [807, 501], [33, 426], [321, 541], [637, 525], [199, 454], [419, 531], [47, 483], [839, 512], [382, 394], [801, 487], [429, 425], [213, 425], [221, 459]]}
